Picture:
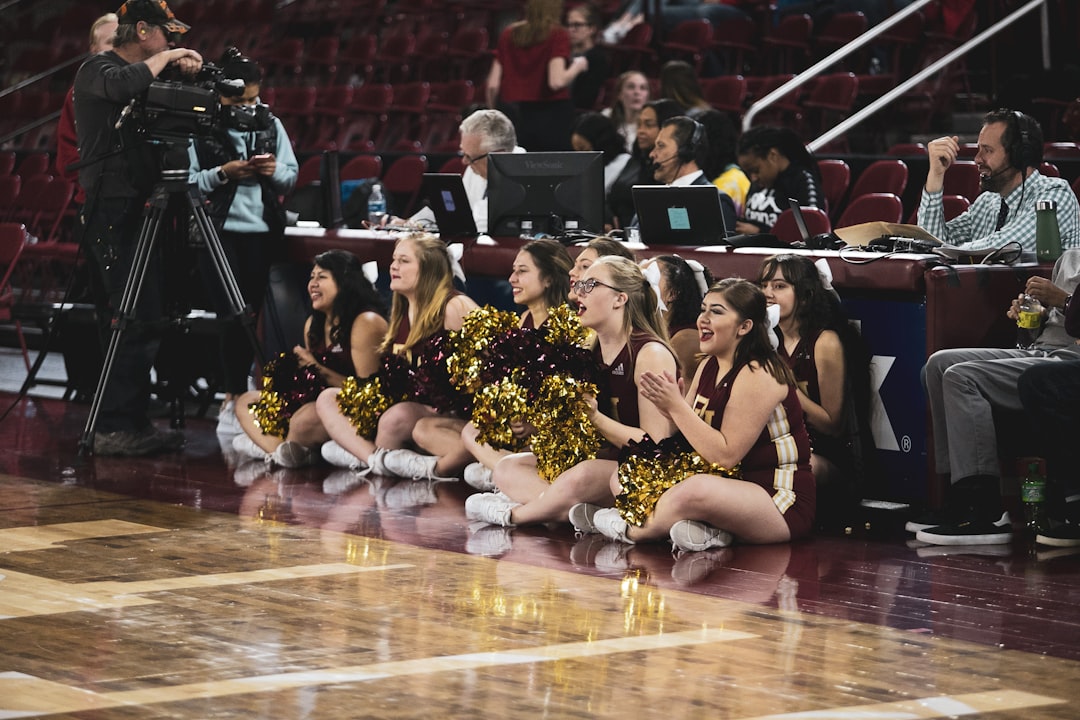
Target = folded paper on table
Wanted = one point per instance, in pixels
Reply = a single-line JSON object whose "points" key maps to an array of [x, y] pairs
{"points": [[863, 233]]}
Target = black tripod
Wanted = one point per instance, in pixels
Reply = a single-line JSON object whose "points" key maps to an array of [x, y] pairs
{"points": [[174, 181]]}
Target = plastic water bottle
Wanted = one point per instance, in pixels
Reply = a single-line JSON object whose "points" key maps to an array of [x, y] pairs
{"points": [[1047, 233], [1028, 321], [1033, 495], [376, 206]]}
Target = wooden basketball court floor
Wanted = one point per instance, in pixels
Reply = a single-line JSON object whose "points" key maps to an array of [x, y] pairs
{"points": [[184, 586]]}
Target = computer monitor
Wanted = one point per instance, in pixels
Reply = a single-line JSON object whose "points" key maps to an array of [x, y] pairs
{"points": [[545, 192]]}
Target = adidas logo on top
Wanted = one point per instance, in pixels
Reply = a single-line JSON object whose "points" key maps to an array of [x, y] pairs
{"points": [[618, 370]]}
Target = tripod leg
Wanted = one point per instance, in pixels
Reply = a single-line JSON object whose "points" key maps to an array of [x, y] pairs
{"points": [[224, 272], [124, 312]]}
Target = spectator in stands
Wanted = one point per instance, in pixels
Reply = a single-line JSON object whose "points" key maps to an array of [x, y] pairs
{"points": [[583, 24], [617, 303], [425, 304], [531, 75], [720, 166], [681, 149], [631, 93], [679, 286], [652, 116], [1010, 152], [341, 338], [595, 132], [779, 167], [965, 386], [1050, 393], [679, 82], [102, 33], [832, 367], [482, 132], [244, 166], [117, 186], [741, 410]]}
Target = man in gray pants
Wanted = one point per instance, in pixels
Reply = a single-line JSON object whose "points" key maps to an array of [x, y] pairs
{"points": [[964, 386]]}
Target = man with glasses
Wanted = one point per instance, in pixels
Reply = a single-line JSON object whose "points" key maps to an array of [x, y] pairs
{"points": [[482, 132], [121, 171]]}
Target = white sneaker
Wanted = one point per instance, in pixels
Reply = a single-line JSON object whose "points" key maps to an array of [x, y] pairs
{"points": [[581, 517], [292, 455], [247, 447], [340, 482], [411, 465], [694, 536], [375, 463], [340, 457], [478, 475], [490, 508], [227, 422], [609, 523]]}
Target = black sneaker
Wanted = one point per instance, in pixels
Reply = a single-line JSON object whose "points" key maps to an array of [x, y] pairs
{"points": [[970, 532], [930, 519], [1066, 535]]}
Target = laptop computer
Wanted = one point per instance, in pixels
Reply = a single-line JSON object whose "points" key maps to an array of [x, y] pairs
{"points": [[679, 215], [445, 193]]}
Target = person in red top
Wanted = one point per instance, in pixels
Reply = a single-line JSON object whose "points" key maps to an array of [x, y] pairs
{"points": [[531, 75], [102, 33]]}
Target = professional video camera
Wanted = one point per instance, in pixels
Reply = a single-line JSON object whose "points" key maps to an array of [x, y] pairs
{"points": [[184, 107]]}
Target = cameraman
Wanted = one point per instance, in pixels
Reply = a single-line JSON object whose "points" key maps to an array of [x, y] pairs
{"points": [[120, 173], [245, 166]]}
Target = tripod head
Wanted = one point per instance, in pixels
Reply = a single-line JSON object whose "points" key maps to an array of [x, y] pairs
{"points": [[175, 163]]}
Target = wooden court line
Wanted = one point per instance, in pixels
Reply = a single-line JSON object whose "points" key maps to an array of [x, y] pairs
{"points": [[43, 537], [25, 694], [28, 595], [932, 707]]}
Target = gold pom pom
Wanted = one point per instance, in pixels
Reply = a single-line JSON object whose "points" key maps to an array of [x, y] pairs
{"points": [[564, 327], [564, 434], [495, 407], [363, 402], [644, 478], [468, 345], [268, 412]]}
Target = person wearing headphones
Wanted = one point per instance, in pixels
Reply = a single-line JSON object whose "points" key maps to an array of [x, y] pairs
{"points": [[1010, 153], [681, 150]]}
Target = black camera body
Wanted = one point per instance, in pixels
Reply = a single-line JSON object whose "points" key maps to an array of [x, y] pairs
{"points": [[177, 107]]}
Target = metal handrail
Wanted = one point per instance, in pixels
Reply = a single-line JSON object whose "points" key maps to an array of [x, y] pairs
{"points": [[839, 54], [43, 74], [842, 127]]}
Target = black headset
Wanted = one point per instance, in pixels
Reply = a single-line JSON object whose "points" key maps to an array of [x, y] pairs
{"points": [[690, 151], [1024, 152]]}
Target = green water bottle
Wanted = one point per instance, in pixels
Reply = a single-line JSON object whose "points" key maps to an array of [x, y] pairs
{"points": [[1033, 495], [1047, 233]]}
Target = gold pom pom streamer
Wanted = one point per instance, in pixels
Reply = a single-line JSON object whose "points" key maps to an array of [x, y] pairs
{"points": [[269, 413], [468, 345], [495, 407], [363, 402], [564, 434], [564, 327], [644, 478]]}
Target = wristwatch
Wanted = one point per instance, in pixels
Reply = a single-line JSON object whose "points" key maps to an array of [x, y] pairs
{"points": [[221, 176]]}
